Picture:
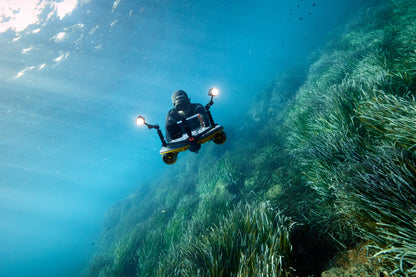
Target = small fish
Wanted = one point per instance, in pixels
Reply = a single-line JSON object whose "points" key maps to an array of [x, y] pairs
{"points": [[300, 18], [298, 6], [313, 5]]}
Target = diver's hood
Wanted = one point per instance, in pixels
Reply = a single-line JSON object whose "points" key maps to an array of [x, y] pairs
{"points": [[180, 101], [179, 94]]}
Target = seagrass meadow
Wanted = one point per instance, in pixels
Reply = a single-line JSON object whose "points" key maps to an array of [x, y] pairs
{"points": [[325, 162]]}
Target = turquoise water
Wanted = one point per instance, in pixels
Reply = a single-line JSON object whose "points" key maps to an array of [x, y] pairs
{"points": [[74, 76]]}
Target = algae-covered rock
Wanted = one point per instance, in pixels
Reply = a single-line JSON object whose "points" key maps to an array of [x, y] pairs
{"points": [[355, 262]]}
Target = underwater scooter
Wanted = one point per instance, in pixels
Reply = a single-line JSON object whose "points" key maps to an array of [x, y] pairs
{"points": [[194, 133]]}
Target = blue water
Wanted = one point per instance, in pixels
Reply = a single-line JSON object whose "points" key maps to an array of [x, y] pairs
{"points": [[74, 76]]}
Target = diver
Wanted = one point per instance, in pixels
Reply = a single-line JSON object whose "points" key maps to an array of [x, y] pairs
{"points": [[183, 108], [188, 126]]}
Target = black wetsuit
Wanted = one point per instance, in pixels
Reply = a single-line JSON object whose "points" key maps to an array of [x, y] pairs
{"points": [[173, 131]]}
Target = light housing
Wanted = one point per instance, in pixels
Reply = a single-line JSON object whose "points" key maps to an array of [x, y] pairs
{"points": [[213, 92], [140, 120]]}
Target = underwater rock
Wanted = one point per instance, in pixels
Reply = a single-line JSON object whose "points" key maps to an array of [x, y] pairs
{"points": [[355, 262]]}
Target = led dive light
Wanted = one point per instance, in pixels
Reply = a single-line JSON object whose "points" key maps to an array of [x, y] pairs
{"points": [[213, 92], [140, 120]]}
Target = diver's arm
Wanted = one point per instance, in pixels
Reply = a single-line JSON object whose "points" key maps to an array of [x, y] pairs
{"points": [[170, 119], [201, 110]]}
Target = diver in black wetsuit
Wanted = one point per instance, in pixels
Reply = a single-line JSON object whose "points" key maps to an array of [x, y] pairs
{"points": [[183, 108]]}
